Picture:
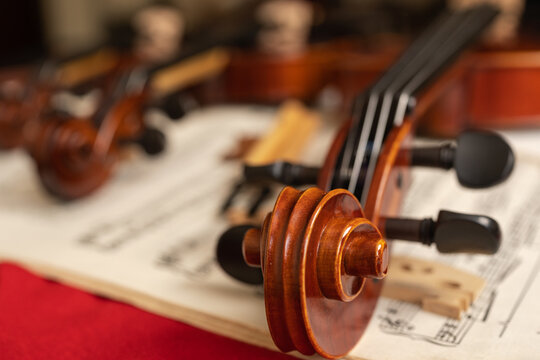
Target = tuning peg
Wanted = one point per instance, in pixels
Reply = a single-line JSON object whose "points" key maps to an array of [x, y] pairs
{"points": [[451, 233], [282, 172], [230, 255], [176, 106], [152, 141], [481, 158]]}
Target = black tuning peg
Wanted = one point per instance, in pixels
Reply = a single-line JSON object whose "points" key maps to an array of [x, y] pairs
{"points": [[451, 233], [152, 141], [481, 158], [231, 259], [282, 172], [177, 105]]}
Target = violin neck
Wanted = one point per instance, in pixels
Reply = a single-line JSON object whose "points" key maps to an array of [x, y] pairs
{"points": [[392, 97]]}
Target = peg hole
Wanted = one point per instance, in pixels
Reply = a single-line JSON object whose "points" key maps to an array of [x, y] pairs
{"points": [[452, 284], [427, 270], [406, 267]]}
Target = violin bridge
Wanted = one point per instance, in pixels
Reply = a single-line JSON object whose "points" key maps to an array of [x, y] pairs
{"points": [[295, 126], [438, 288]]}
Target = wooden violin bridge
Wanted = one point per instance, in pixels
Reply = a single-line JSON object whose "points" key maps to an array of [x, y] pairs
{"points": [[438, 288]]}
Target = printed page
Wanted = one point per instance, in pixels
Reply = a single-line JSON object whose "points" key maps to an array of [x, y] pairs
{"points": [[504, 322], [148, 238]]}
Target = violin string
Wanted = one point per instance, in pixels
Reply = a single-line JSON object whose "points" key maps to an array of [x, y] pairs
{"points": [[362, 109], [477, 23], [416, 58], [472, 23], [373, 94], [368, 162]]}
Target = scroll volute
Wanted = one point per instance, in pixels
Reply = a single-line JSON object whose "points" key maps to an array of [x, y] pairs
{"points": [[74, 158], [315, 248], [67, 161]]}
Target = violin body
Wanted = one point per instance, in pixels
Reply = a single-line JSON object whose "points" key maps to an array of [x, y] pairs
{"points": [[496, 91], [257, 77], [495, 87]]}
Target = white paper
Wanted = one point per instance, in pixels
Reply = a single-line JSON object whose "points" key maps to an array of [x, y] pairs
{"points": [[148, 238], [504, 322], [151, 230]]}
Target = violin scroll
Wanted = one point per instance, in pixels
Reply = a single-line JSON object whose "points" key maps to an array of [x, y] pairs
{"points": [[67, 164]]}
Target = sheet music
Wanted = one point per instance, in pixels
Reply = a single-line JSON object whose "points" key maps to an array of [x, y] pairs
{"points": [[148, 238], [151, 230], [504, 322]]}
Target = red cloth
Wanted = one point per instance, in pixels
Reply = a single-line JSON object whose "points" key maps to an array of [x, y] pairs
{"points": [[40, 319]]}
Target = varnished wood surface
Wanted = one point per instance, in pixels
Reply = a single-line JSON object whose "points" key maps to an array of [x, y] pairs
{"points": [[76, 156], [262, 78], [437, 287], [490, 88], [316, 251], [337, 274]]}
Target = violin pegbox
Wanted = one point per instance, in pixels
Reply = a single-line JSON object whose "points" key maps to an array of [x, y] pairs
{"points": [[316, 251]]}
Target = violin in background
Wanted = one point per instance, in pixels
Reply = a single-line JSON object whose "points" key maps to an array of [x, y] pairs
{"points": [[281, 64], [495, 87], [291, 54], [282, 61], [74, 155], [28, 91], [31, 90], [322, 252]]}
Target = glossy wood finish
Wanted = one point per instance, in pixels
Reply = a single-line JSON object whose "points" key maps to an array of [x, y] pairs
{"points": [[39, 83], [326, 173], [76, 156], [495, 87], [391, 178], [67, 162], [321, 256], [258, 77], [498, 90], [317, 250], [335, 293], [81, 160]]}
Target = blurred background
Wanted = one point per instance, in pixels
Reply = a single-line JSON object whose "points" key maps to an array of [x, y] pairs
{"points": [[321, 52], [30, 29]]}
